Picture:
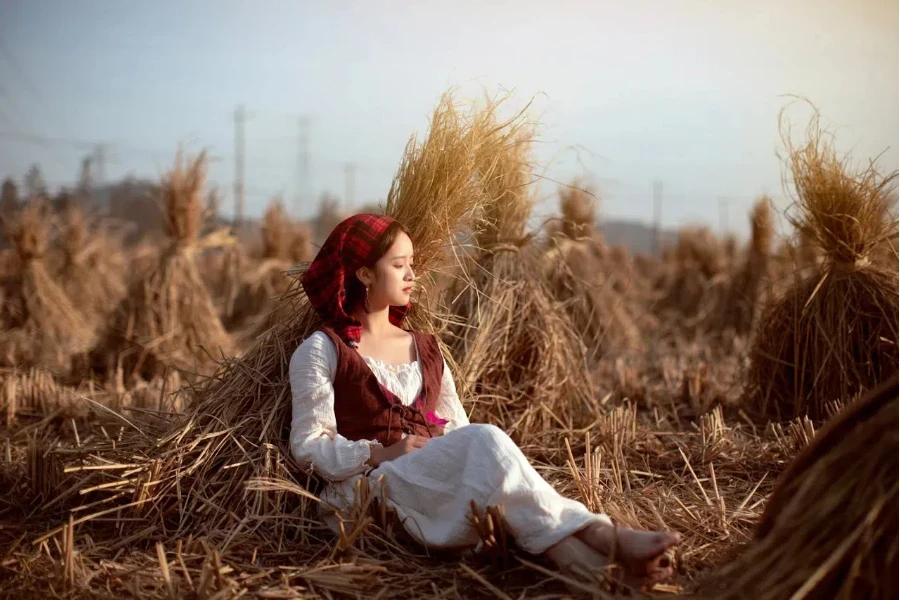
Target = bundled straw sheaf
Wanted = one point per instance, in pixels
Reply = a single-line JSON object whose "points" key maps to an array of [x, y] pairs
{"points": [[521, 361], [830, 528], [93, 270], [167, 320], [743, 299], [41, 325], [834, 333], [585, 281], [193, 476], [261, 287]]}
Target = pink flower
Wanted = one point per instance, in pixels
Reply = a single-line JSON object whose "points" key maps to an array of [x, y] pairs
{"points": [[435, 420]]}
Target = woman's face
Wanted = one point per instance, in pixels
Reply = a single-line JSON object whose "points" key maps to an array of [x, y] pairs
{"points": [[393, 275]]}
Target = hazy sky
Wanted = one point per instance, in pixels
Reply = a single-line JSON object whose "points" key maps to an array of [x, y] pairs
{"points": [[686, 92]]}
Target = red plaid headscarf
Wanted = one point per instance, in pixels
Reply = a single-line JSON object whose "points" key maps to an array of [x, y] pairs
{"points": [[326, 281]]}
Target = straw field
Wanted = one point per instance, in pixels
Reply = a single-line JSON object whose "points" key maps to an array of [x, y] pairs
{"points": [[736, 392]]}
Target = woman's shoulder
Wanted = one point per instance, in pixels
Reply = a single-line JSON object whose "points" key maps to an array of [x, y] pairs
{"points": [[318, 347]]}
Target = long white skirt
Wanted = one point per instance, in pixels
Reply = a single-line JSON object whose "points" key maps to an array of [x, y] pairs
{"points": [[431, 489]]}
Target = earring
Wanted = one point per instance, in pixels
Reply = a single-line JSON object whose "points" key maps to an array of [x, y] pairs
{"points": [[366, 300]]}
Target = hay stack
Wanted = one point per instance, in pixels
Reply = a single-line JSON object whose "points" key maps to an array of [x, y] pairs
{"points": [[168, 320], [594, 289], [93, 270], [692, 283], [41, 326], [834, 333], [237, 429], [577, 206], [262, 287], [519, 355], [830, 527], [741, 306]]}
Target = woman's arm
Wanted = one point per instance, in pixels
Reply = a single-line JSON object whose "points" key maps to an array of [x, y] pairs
{"points": [[314, 437], [448, 405]]}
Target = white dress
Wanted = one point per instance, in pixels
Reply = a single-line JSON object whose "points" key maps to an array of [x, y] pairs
{"points": [[429, 488]]}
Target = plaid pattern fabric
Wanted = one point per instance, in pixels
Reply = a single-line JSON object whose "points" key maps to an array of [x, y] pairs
{"points": [[347, 248]]}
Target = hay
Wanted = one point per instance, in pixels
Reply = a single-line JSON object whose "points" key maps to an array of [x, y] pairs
{"points": [[583, 282], [577, 204], [42, 327], [830, 527], [834, 333], [521, 362], [740, 308], [237, 427], [168, 320], [92, 274], [261, 287]]}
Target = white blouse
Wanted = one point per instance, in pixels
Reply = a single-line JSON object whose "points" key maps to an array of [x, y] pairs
{"points": [[314, 437]]}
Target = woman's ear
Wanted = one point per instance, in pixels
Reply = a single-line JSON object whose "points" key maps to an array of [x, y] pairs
{"points": [[364, 274]]}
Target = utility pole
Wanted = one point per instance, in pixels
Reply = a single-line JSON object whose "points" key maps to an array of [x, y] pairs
{"points": [[349, 184], [240, 117], [302, 165], [657, 215]]}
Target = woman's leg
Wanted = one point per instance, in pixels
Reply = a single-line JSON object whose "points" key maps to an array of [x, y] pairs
{"points": [[433, 486]]}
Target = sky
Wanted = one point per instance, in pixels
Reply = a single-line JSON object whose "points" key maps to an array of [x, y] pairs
{"points": [[687, 93]]}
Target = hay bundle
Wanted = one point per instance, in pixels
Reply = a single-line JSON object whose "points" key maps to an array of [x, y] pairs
{"points": [[517, 352], [93, 270], [692, 283], [830, 527], [41, 326], [741, 305], [168, 319], [577, 206], [580, 280], [268, 281], [237, 428], [834, 333]]}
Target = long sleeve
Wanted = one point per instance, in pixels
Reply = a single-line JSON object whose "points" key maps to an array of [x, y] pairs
{"points": [[314, 438], [448, 405]]}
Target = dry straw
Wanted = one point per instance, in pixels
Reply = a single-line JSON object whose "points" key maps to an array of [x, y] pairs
{"points": [[41, 326], [521, 362], [168, 320], [585, 279], [830, 527], [263, 285], [194, 474], [742, 301], [834, 333], [93, 270]]}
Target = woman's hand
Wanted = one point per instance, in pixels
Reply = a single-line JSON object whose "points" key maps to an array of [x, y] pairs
{"points": [[380, 454]]}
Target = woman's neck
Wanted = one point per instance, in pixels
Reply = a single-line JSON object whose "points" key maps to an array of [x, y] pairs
{"points": [[376, 322]]}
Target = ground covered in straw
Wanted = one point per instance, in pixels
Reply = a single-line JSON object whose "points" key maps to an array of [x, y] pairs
{"points": [[666, 460]]}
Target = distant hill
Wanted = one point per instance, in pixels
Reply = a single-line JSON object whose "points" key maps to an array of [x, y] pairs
{"points": [[634, 235]]}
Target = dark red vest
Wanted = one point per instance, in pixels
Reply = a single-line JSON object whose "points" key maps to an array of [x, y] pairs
{"points": [[366, 410]]}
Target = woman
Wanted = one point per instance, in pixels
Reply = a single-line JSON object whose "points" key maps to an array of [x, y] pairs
{"points": [[372, 400]]}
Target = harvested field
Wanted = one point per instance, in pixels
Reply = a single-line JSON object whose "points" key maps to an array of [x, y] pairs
{"points": [[651, 389]]}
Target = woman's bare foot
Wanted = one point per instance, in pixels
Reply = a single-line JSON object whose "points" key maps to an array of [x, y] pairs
{"points": [[571, 554], [643, 553]]}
